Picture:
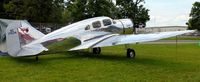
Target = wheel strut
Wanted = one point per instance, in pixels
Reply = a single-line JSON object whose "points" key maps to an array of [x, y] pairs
{"points": [[37, 58]]}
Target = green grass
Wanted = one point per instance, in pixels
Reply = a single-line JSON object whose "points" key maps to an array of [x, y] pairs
{"points": [[153, 63], [184, 38]]}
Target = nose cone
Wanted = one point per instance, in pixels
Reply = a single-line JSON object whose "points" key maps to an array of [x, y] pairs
{"points": [[123, 23]]}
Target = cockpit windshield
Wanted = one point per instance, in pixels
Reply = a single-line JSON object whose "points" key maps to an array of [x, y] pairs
{"points": [[107, 22]]}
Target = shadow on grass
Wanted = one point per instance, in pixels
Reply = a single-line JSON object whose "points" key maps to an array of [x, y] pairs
{"points": [[132, 61], [63, 55], [43, 57]]}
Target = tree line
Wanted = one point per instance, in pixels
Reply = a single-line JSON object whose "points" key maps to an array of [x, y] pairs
{"points": [[69, 11], [32, 10], [194, 21]]}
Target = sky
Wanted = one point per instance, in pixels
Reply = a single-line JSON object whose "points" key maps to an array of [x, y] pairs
{"points": [[168, 12]]}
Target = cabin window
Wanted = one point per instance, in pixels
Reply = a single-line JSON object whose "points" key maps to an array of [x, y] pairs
{"points": [[107, 22], [114, 22], [96, 24], [87, 27]]}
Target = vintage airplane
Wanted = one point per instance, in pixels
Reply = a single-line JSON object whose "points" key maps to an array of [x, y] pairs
{"points": [[18, 38]]}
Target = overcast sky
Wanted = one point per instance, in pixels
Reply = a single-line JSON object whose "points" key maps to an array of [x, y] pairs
{"points": [[169, 12]]}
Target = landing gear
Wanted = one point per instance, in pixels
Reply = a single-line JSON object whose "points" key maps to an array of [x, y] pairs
{"points": [[130, 53], [36, 58], [96, 50]]}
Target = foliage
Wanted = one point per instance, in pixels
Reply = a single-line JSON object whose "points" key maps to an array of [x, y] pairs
{"points": [[36, 10], [69, 11], [1, 6], [194, 21], [82, 9], [134, 10], [100, 8], [76, 10]]}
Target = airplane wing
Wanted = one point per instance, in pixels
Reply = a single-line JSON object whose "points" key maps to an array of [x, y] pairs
{"points": [[116, 39]]}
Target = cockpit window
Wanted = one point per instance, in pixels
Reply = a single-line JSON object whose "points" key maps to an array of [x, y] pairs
{"points": [[96, 24], [87, 27], [107, 22]]}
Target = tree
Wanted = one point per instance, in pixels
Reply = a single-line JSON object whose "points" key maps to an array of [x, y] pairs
{"points": [[2, 10], [82, 9], [1, 5], [57, 11], [35, 10], [9, 9], [134, 10], [194, 21], [100, 8], [76, 10]]}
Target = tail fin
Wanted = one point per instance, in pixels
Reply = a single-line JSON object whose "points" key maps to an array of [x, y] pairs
{"points": [[12, 39], [3, 48], [20, 33]]}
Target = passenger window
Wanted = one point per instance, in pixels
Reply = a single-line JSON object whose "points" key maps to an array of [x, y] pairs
{"points": [[107, 22], [87, 27], [96, 24], [114, 22]]}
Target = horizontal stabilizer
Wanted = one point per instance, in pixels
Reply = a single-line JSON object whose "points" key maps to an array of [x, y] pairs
{"points": [[31, 50]]}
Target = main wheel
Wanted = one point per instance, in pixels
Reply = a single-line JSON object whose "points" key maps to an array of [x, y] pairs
{"points": [[37, 58], [96, 50], [130, 53]]}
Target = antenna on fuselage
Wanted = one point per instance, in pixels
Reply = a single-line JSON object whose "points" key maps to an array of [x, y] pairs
{"points": [[123, 26]]}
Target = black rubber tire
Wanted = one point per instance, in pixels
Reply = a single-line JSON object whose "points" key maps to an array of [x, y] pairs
{"points": [[130, 53], [37, 58], [96, 50]]}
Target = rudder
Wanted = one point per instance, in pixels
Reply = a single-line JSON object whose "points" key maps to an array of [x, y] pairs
{"points": [[12, 38]]}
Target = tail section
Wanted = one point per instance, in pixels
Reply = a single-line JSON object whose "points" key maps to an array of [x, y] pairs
{"points": [[3, 48], [12, 39], [19, 33]]}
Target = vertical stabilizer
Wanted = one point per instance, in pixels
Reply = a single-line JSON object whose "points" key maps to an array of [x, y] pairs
{"points": [[12, 38], [3, 48], [19, 33]]}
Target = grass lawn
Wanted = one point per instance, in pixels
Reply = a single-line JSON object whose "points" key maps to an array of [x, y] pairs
{"points": [[184, 38], [153, 63]]}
